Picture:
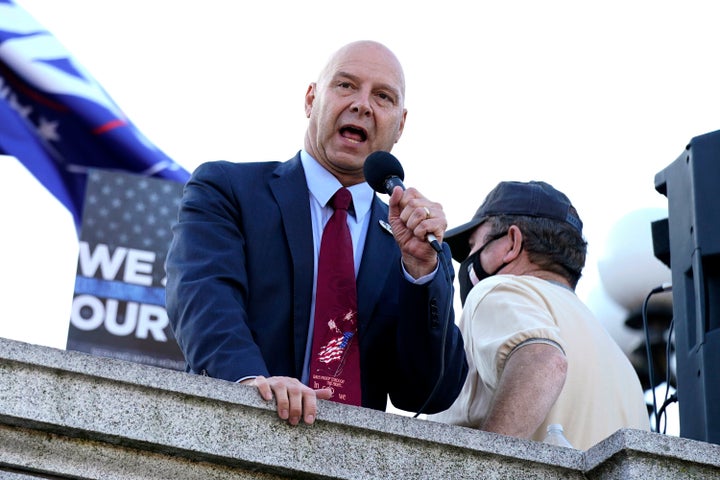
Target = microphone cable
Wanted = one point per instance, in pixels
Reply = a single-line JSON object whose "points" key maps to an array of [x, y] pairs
{"points": [[446, 317], [668, 398], [665, 287], [383, 172]]}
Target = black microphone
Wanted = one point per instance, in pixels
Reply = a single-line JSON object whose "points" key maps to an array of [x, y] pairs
{"points": [[383, 173]]}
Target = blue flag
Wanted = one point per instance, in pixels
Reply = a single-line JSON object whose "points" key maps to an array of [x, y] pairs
{"points": [[58, 121]]}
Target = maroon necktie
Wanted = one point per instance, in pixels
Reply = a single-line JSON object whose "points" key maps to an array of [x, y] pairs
{"points": [[335, 360]]}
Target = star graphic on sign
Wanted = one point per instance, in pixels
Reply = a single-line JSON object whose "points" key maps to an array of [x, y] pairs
{"points": [[48, 130]]}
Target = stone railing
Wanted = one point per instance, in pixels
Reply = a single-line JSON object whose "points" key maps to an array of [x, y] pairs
{"points": [[70, 415]]}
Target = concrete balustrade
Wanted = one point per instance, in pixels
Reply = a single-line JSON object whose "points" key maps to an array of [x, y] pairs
{"points": [[66, 414]]}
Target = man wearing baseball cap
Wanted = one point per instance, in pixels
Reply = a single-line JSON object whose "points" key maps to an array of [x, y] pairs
{"points": [[536, 353]]}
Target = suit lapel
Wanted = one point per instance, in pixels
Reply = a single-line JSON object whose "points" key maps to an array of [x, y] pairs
{"points": [[380, 252], [291, 193]]}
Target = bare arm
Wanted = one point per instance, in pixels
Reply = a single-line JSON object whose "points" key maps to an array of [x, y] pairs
{"points": [[528, 388]]}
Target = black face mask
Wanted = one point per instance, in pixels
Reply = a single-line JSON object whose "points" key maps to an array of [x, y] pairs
{"points": [[472, 272]]}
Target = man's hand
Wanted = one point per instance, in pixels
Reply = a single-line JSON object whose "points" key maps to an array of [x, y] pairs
{"points": [[294, 399], [412, 217]]}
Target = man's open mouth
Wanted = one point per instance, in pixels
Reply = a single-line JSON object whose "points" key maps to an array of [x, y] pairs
{"points": [[353, 133]]}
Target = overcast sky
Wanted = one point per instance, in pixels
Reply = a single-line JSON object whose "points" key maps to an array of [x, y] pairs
{"points": [[592, 97]]}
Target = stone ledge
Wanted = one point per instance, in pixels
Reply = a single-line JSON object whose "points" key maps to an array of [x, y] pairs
{"points": [[89, 417]]}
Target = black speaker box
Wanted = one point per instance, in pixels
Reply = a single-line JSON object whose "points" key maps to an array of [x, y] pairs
{"points": [[692, 186]]}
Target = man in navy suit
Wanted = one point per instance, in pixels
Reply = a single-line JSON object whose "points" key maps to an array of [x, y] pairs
{"points": [[242, 265]]}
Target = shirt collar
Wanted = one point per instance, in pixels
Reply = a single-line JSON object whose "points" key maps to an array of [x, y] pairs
{"points": [[323, 185]]}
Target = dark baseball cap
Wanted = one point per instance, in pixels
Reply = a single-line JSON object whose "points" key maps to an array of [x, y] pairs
{"points": [[534, 199]]}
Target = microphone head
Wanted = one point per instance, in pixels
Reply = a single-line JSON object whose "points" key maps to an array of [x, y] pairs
{"points": [[379, 166]]}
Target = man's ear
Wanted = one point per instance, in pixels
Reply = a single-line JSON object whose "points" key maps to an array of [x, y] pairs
{"points": [[310, 98], [516, 241]]}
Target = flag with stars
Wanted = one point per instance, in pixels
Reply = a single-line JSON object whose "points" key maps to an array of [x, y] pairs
{"points": [[58, 121]]}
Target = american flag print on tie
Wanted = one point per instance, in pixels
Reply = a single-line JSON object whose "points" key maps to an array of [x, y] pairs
{"points": [[336, 348]]}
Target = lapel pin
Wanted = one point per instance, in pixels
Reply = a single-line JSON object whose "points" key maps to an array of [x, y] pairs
{"points": [[386, 226]]}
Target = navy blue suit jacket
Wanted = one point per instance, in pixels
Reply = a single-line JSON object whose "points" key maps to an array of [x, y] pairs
{"points": [[240, 281]]}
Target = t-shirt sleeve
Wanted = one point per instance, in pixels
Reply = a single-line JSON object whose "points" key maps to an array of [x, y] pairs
{"points": [[506, 317]]}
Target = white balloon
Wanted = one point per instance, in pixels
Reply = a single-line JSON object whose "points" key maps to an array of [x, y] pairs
{"points": [[628, 267]]}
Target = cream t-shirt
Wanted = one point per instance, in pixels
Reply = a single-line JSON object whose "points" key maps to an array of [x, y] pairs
{"points": [[602, 392]]}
